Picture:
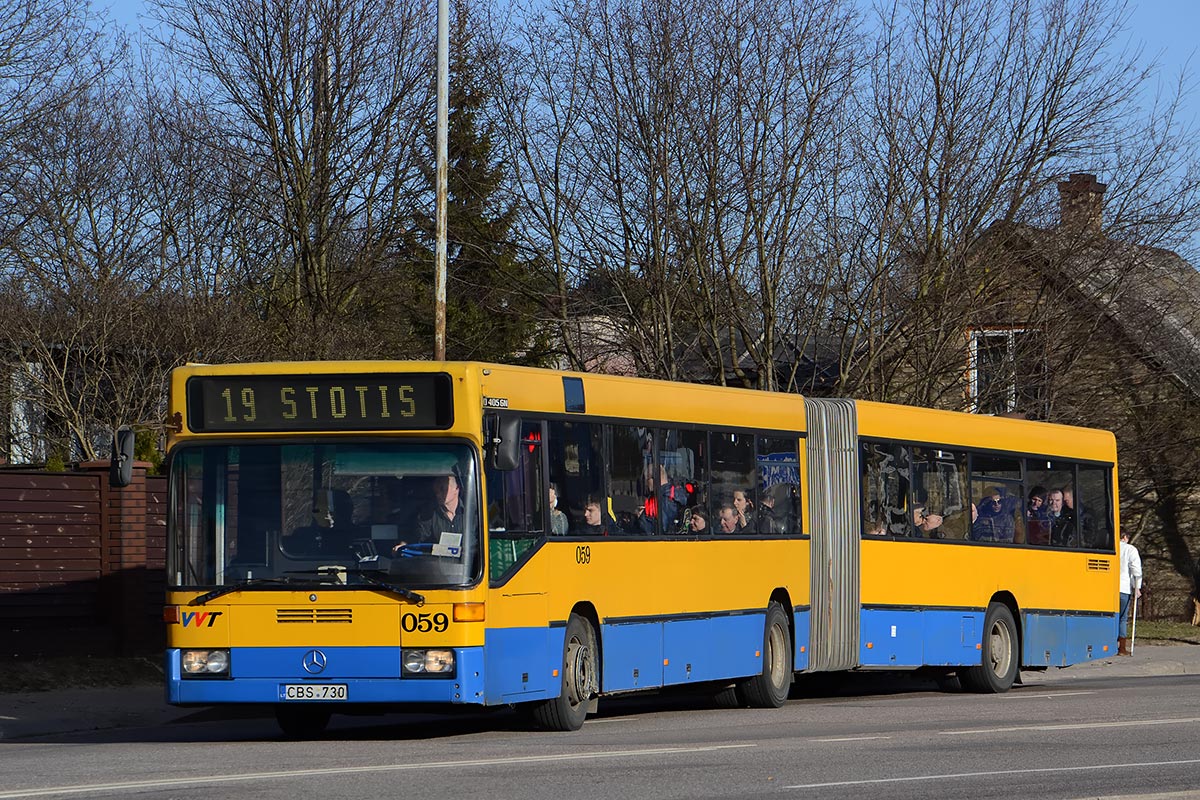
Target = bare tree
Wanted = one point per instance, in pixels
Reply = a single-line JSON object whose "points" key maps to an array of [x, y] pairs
{"points": [[317, 110], [680, 150], [82, 288], [974, 109]]}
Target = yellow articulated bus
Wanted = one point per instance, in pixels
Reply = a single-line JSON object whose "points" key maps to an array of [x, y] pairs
{"points": [[362, 536]]}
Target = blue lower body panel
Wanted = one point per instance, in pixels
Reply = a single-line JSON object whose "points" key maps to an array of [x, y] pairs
{"points": [[646, 655], [1058, 639], [803, 624], [371, 675], [521, 664], [915, 637]]}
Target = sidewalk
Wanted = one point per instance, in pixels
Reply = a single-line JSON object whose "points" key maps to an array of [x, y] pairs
{"points": [[83, 710], [1148, 660]]}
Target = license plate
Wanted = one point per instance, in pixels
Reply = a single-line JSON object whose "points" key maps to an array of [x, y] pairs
{"points": [[313, 691]]}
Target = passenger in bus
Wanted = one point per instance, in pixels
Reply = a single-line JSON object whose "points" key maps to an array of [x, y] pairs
{"points": [[1062, 520], [594, 519], [994, 518], [668, 501], [728, 519], [333, 532], [698, 521], [768, 521], [927, 523], [558, 520], [1039, 520], [745, 510]]}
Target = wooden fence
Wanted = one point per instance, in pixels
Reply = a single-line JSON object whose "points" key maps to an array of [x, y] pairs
{"points": [[81, 563]]}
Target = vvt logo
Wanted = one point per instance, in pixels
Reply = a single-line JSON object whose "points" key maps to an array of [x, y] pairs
{"points": [[196, 619]]}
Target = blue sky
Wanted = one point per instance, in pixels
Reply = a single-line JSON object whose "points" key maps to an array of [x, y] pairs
{"points": [[1168, 30]]}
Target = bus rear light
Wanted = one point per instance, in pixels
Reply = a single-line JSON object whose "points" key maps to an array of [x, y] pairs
{"points": [[469, 612], [171, 615]]}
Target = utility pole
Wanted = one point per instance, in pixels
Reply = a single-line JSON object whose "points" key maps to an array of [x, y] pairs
{"points": [[443, 117]]}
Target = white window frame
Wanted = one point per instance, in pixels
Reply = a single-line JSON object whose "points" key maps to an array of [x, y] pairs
{"points": [[1010, 337]]}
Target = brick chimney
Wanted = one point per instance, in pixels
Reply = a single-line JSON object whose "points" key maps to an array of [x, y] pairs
{"points": [[1081, 202]]}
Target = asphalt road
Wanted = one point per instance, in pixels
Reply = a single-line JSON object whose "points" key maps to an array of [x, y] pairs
{"points": [[1123, 728]]}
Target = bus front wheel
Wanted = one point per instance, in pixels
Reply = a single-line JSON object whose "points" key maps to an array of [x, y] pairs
{"points": [[1000, 659], [580, 681], [769, 689]]}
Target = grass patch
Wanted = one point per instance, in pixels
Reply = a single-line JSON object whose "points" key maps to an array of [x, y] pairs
{"points": [[49, 674], [1167, 633]]}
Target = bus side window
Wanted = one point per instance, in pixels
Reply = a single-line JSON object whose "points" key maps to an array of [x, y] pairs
{"points": [[1093, 509], [694, 445], [1057, 480], [576, 468], [733, 472], [630, 456], [873, 490], [517, 503], [778, 482], [676, 484], [940, 507]]}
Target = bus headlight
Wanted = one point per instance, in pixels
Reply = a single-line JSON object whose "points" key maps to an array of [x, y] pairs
{"points": [[423, 661], [204, 663]]}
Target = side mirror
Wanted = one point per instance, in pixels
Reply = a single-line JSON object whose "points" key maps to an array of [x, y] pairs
{"points": [[506, 445], [120, 469]]}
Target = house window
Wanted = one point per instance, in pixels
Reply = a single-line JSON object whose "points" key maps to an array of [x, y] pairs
{"points": [[1007, 371]]}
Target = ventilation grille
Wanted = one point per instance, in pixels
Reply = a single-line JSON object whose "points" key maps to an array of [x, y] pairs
{"points": [[1098, 565], [289, 615]]}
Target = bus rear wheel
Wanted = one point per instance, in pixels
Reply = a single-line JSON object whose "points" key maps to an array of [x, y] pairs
{"points": [[580, 681], [302, 722], [769, 689], [999, 659]]}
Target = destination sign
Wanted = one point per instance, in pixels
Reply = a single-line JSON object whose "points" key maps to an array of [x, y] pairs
{"points": [[283, 403]]}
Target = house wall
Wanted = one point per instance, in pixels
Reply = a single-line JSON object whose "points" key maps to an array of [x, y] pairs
{"points": [[1100, 373], [81, 563]]}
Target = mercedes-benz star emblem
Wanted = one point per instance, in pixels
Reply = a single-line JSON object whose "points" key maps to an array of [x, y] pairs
{"points": [[314, 662]]}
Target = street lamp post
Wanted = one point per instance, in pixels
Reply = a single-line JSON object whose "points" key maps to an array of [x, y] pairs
{"points": [[443, 115]]}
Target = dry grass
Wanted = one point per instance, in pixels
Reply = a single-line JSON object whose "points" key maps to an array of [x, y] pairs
{"points": [[1167, 633]]}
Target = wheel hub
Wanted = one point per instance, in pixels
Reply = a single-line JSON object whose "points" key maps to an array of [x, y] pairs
{"points": [[579, 673]]}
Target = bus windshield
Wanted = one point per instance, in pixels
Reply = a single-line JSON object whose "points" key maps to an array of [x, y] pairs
{"points": [[325, 512]]}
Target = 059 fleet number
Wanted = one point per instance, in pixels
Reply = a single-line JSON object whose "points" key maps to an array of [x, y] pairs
{"points": [[425, 623]]}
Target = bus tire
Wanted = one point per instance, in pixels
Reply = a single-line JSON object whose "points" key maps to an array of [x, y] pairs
{"points": [[999, 656], [302, 722], [579, 681], [769, 689]]}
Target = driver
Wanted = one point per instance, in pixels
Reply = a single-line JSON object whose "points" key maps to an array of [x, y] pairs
{"points": [[446, 515]]}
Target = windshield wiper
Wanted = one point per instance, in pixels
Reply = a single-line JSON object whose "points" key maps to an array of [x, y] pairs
{"points": [[236, 587], [339, 573], [407, 594]]}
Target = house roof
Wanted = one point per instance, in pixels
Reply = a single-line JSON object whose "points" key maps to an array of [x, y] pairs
{"points": [[1151, 295]]}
